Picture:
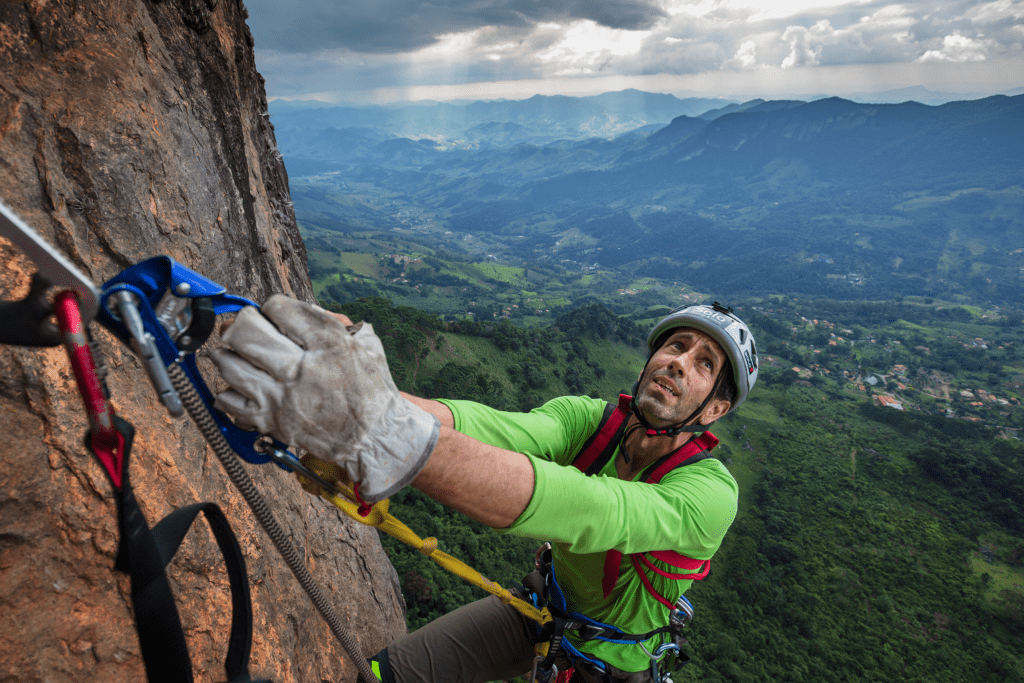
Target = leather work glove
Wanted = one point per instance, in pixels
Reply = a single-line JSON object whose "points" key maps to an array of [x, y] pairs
{"points": [[296, 372]]}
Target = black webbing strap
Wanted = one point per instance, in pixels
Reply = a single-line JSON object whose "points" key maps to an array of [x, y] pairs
{"points": [[26, 322], [144, 553]]}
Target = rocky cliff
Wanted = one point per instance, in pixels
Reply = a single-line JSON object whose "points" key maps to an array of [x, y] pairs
{"points": [[132, 128]]}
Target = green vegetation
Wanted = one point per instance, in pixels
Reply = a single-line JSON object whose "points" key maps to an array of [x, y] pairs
{"points": [[872, 543], [855, 561], [347, 267], [881, 526], [497, 363], [832, 212]]}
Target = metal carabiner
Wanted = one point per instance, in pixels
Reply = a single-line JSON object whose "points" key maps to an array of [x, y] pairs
{"points": [[659, 654], [124, 304], [537, 671], [290, 461], [109, 437], [660, 651], [682, 614], [538, 556]]}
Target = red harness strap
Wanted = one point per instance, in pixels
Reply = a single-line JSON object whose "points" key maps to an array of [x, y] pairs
{"points": [[613, 559], [677, 560], [606, 432]]}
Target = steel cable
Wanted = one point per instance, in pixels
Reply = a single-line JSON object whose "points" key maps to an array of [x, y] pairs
{"points": [[240, 478]]}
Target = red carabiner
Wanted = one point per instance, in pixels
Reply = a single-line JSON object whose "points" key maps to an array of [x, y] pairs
{"points": [[105, 441]]}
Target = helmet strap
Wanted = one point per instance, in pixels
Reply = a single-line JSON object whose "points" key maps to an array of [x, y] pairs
{"points": [[682, 426]]}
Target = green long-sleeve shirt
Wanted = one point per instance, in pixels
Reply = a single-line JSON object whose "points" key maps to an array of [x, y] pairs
{"points": [[689, 512]]}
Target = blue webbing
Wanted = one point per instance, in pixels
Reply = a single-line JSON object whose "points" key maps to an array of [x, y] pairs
{"points": [[557, 598]]}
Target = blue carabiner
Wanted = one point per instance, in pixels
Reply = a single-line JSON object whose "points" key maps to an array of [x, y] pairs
{"points": [[172, 298]]}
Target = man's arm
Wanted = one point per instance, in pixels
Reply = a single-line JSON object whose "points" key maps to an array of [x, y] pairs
{"points": [[486, 483], [439, 410], [262, 363]]}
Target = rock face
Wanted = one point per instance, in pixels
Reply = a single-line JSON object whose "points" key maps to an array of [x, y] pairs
{"points": [[128, 129]]}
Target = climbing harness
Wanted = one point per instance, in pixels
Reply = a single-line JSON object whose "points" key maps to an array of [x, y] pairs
{"points": [[595, 453], [593, 457], [666, 658]]}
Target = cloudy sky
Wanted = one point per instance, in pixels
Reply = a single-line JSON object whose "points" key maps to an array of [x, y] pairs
{"points": [[391, 50]]}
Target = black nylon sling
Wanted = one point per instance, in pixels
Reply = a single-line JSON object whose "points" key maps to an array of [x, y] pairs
{"points": [[144, 553]]}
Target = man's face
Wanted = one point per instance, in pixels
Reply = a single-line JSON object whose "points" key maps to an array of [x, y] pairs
{"points": [[679, 376]]}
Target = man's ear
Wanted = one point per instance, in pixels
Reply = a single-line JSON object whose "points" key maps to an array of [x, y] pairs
{"points": [[715, 409]]}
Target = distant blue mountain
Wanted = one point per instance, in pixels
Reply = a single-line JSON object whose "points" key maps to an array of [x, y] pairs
{"points": [[543, 118], [915, 93], [752, 105], [911, 198], [842, 141]]}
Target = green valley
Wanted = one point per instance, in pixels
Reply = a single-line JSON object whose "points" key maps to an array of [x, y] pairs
{"points": [[881, 531], [872, 249]]}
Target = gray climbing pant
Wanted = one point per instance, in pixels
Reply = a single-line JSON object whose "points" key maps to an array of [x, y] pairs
{"points": [[480, 642]]}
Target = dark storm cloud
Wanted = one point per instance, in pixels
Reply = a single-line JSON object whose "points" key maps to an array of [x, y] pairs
{"points": [[395, 26], [633, 16]]}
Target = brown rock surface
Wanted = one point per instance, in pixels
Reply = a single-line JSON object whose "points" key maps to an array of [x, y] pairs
{"points": [[131, 128]]}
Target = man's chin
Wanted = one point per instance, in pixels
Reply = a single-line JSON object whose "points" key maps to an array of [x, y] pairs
{"points": [[652, 408]]}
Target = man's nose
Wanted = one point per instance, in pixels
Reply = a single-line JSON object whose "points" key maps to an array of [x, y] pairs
{"points": [[681, 363]]}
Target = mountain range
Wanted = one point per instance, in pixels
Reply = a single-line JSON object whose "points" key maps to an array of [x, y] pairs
{"points": [[830, 195], [544, 117]]}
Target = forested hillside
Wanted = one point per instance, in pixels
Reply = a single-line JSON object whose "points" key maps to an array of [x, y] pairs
{"points": [[873, 544], [863, 554], [874, 251]]}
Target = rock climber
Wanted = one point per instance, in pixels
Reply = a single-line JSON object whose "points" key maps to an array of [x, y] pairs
{"points": [[620, 541]]}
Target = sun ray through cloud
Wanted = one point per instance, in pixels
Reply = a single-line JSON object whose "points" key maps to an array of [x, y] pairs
{"points": [[362, 51]]}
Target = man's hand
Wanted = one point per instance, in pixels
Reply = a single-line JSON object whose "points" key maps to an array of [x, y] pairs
{"points": [[298, 373]]}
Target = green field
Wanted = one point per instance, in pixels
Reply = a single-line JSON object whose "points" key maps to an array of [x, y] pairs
{"points": [[856, 554]]}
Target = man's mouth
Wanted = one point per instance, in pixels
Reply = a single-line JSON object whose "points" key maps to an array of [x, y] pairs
{"points": [[667, 385]]}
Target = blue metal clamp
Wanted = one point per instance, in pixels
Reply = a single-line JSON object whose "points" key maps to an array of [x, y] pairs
{"points": [[163, 310]]}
